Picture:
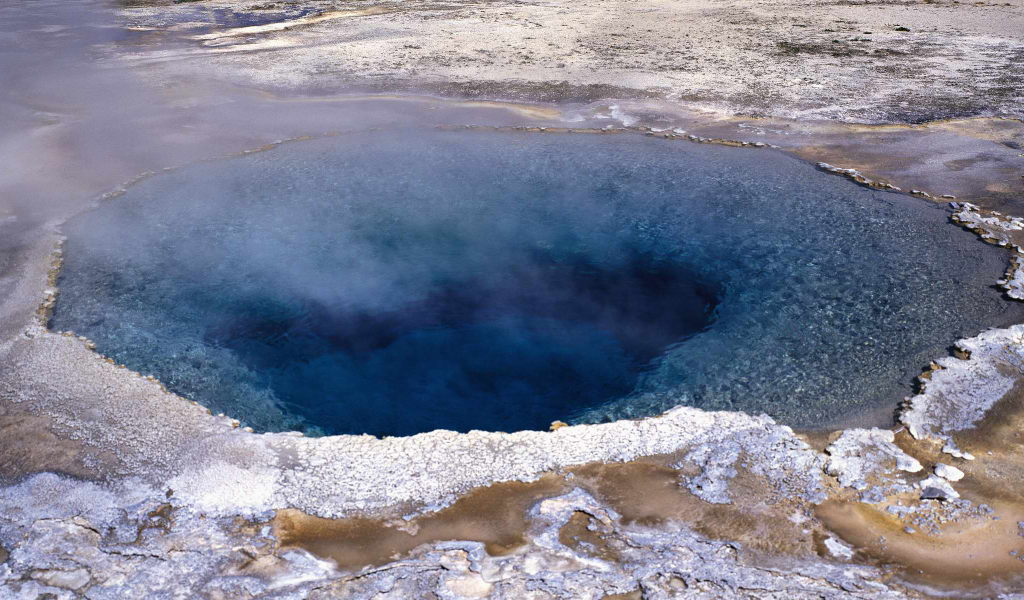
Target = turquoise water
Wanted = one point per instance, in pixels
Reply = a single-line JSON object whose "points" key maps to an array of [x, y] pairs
{"points": [[392, 284]]}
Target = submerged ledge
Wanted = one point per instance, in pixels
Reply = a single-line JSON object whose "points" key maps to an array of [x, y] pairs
{"points": [[157, 451]]}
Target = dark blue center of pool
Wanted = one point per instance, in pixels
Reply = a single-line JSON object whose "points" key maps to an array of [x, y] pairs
{"points": [[506, 342], [392, 284]]}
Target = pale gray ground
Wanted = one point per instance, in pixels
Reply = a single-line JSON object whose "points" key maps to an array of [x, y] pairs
{"points": [[831, 59]]}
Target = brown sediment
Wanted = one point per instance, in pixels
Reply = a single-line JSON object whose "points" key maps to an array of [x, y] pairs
{"points": [[48, 452], [819, 440], [1000, 429], [645, 492], [495, 515], [588, 536], [772, 531], [998, 443], [971, 556], [1002, 130], [649, 492], [970, 158]]}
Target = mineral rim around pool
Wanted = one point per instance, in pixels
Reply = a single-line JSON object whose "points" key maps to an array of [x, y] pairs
{"points": [[393, 283]]}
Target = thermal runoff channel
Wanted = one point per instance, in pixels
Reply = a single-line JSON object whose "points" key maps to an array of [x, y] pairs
{"points": [[395, 283]]}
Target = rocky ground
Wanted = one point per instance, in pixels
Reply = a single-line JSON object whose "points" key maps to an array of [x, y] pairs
{"points": [[110, 487], [870, 61]]}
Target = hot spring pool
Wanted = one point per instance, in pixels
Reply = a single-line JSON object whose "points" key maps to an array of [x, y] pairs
{"points": [[403, 282]]}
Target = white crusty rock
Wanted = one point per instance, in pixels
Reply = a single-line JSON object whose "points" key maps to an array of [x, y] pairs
{"points": [[73, 539], [206, 461], [937, 488], [772, 451], [1000, 230], [960, 393], [953, 450], [838, 548], [949, 473], [860, 453]]}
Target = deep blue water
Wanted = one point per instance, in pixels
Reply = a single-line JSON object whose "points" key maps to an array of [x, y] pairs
{"points": [[392, 284]]}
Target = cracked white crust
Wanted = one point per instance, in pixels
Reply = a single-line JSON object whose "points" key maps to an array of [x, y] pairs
{"points": [[129, 543]]}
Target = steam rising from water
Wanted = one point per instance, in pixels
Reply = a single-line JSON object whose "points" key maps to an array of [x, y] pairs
{"points": [[391, 283]]}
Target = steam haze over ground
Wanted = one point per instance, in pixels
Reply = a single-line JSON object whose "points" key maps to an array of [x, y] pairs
{"points": [[75, 121]]}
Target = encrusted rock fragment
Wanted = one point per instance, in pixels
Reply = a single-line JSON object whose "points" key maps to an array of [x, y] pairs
{"points": [[952, 449], [948, 472], [772, 450], [861, 453], [839, 548], [936, 488]]}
